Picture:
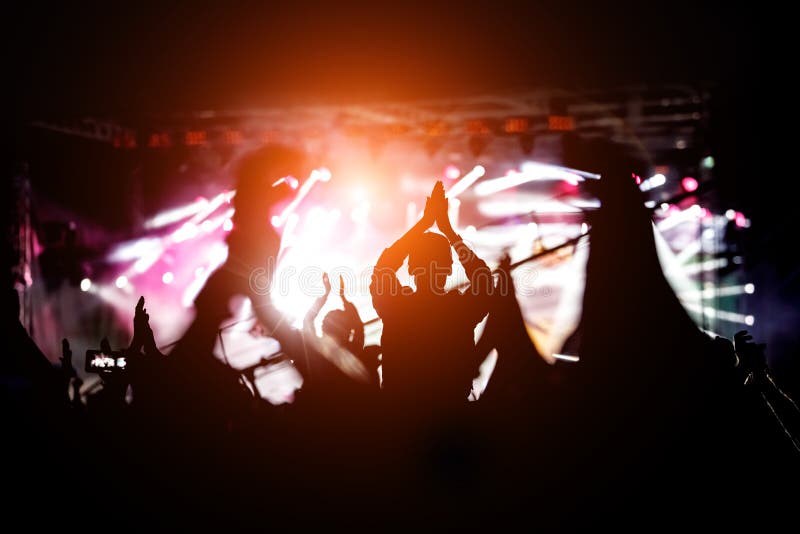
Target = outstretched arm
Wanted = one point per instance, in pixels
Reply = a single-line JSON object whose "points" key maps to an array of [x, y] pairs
{"points": [[313, 311], [477, 271], [384, 279], [353, 317], [393, 256]]}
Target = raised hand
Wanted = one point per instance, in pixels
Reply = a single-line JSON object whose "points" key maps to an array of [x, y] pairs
{"points": [[440, 207], [428, 215], [140, 325], [438, 200], [326, 282]]}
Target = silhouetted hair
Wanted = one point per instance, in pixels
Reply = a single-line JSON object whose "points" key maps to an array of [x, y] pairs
{"points": [[257, 172], [337, 324]]}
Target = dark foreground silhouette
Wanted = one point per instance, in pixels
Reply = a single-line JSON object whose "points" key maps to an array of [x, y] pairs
{"points": [[657, 426]]}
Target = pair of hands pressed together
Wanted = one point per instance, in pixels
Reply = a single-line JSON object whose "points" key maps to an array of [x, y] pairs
{"points": [[436, 207]]}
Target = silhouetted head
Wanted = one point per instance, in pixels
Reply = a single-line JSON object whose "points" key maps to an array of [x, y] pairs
{"points": [[259, 186], [337, 324], [430, 262]]}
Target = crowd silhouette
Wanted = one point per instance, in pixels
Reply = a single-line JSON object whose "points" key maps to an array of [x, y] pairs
{"points": [[657, 418]]}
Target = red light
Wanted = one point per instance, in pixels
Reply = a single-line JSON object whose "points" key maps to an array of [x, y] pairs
{"points": [[740, 219], [516, 125], [637, 178], [689, 184], [451, 172], [196, 137], [560, 123]]}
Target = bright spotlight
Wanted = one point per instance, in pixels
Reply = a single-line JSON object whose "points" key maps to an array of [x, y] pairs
{"points": [[749, 289], [227, 225], [167, 277], [451, 172], [466, 181], [86, 284], [730, 215], [566, 357], [657, 180], [749, 320], [122, 281], [689, 184]]}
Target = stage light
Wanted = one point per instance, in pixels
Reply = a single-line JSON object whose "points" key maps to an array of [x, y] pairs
{"points": [[317, 175], [188, 231], [122, 281], [176, 214], [654, 181], [749, 289], [86, 284], [560, 123], [650, 204], [730, 215], [584, 228], [146, 261], [167, 277], [531, 171], [708, 162], [709, 233], [712, 292], [451, 172], [466, 181], [207, 225], [516, 125], [664, 206], [227, 225], [566, 357], [323, 174], [689, 184], [749, 320], [196, 137], [741, 220]]}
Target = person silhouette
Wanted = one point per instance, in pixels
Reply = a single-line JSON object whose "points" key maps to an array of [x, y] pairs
{"points": [[428, 345], [345, 328], [253, 247]]}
